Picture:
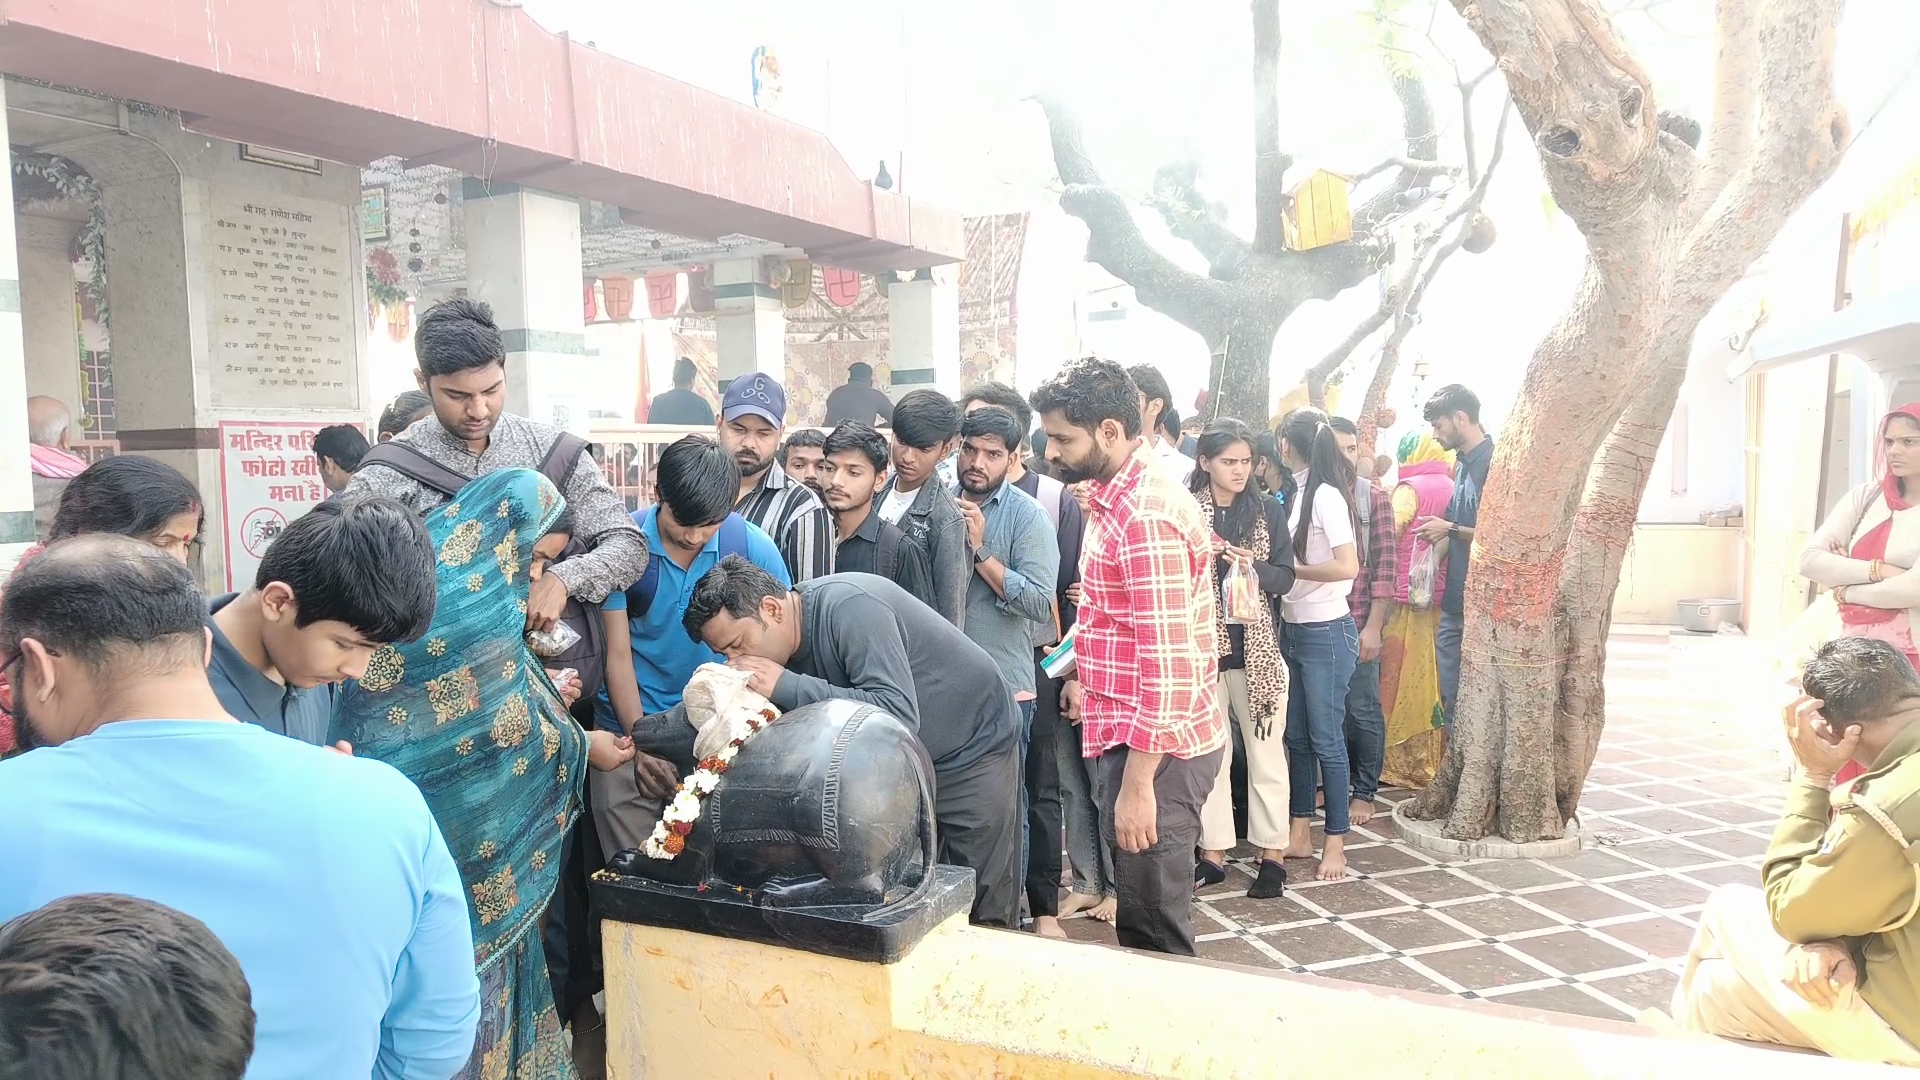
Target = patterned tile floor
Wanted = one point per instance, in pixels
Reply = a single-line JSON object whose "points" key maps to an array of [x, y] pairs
{"points": [[1682, 799]]}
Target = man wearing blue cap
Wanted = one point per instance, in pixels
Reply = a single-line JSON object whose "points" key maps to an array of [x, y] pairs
{"points": [[752, 419]]}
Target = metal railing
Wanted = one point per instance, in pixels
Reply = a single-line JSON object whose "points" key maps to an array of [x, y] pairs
{"points": [[629, 452]]}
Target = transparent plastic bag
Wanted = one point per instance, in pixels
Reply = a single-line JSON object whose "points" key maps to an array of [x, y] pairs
{"points": [[1423, 576], [554, 642], [1240, 595]]}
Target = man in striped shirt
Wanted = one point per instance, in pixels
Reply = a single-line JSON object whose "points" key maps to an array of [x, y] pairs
{"points": [[1145, 648], [752, 417]]}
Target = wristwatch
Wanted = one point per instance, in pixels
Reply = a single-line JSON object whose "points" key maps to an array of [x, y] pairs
{"points": [[981, 555]]}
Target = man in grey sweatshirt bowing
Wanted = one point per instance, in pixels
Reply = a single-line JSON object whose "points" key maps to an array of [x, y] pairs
{"points": [[862, 637]]}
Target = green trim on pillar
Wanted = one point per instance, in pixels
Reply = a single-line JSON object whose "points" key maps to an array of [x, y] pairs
{"points": [[16, 527], [472, 187], [9, 296], [566, 342], [745, 288], [924, 376]]}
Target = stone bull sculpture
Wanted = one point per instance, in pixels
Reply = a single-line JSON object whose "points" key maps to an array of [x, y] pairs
{"points": [[830, 805]]}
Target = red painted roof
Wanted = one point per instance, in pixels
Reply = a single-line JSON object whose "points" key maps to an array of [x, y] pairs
{"points": [[483, 89]]}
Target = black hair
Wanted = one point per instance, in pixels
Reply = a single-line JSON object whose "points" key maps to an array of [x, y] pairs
{"points": [[735, 586], [341, 444], [699, 481], [924, 419], [852, 435], [109, 602], [97, 984], [859, 372], [684, 372], [458, 335], [811, 437], [1859, 680], [1152, 386], [1266, 447], [1234, 523], [1343, 425], [369, 564], [996, 422], [399, 415], [1001, 395], [1170, 423], [1090, 391], [1306, 430], [1452, 398], [126, 494], [1037, 442]]}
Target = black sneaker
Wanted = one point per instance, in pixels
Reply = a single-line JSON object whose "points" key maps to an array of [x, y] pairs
{"points": [[1271, 883], [1206, 874]]}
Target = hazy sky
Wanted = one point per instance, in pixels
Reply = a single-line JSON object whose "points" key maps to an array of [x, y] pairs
{"points": [[940, 92]]}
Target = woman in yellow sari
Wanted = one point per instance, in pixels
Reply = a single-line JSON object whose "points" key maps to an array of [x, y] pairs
{"points": [[1409, 672]]}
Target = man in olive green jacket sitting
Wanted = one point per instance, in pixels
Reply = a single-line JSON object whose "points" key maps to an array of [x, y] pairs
{"points": [[1829, 957]]}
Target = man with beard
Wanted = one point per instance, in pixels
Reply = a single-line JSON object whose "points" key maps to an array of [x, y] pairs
{"points": [[1146, 652], [862, 638], [1454, 412], [752, 416], [801, 456], [324, 874]]}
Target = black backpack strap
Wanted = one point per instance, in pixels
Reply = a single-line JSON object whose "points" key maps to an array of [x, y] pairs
{"points": [[415, 465], [561, 457]]}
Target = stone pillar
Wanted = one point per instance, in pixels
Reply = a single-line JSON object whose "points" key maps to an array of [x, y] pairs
{"points": [[923, 323], [237, 305], [752, 322], [523, 257], [16, 471]]}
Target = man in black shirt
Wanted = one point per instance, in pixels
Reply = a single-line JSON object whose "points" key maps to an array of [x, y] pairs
{"points": [[1454, 412], [681, 405], [859, 400], [852, 471], [863, 638]]}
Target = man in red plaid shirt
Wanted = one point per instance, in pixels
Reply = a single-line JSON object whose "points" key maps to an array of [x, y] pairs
{"points": [[1145, 649], [1371, 603]]}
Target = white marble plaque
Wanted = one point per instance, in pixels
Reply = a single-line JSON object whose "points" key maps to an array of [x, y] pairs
{"points": [[283, 303]]}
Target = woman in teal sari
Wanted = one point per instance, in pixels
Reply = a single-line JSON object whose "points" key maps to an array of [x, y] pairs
{"points": [[469, 715]]}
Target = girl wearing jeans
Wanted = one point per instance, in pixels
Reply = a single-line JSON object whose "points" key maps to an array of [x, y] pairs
{"points": [[1318, 637]]}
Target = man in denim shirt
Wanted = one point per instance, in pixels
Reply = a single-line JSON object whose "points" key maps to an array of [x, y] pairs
{"points": [[1454, 412]]}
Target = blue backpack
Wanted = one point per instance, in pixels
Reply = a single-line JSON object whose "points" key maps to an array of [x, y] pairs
{"points": [[733, 541]]}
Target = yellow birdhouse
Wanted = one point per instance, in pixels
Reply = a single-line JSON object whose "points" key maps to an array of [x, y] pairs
{"points": [[1317, 212]]}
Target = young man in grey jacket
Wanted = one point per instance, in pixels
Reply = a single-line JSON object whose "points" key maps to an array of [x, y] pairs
{"points": [[926, 425]]}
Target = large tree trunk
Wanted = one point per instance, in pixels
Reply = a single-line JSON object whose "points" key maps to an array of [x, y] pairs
{"points": [[1574, 459]]}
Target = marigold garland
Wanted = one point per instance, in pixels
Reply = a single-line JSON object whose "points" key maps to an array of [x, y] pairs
{"points": [[670, 835]]}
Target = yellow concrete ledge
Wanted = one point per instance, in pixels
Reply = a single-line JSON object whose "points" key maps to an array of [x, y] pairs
{"points": [[968, 1002]]}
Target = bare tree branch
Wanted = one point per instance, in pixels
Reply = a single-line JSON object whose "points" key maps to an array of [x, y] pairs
{"points": [[1420, 169], [1199, 221], [1269, 164], [1736, 90], [1417, 128]]}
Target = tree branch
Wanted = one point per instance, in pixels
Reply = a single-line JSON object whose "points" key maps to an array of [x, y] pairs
{"points": [[1269, 164], [1420, 169], [1736, 88], [1422, 138], [1198, 220]]}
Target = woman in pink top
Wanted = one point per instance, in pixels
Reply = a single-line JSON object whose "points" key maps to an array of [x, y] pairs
{"points": [[1868, 547]]}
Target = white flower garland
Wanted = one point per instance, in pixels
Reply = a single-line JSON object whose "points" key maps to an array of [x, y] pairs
{"points": [[670, 835]]}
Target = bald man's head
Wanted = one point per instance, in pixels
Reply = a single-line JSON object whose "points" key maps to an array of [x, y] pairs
{"points": [[48, 422]]}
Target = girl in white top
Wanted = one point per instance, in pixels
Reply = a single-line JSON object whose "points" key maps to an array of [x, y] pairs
{"points": [[1318, 638]]}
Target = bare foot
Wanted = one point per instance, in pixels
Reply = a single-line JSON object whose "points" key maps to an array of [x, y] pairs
{"points": [[1048, 926], [1077, 902], [1300, 839], [1360, 810], [1106, 910], [1333, 860]]}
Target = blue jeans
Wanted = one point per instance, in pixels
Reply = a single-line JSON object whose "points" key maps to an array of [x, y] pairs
{"points": [[1446, 650], [1320, 660], [1366, 730]]}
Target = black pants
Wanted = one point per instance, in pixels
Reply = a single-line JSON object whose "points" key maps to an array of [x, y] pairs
{"points": [[570, 935], [1155, 886], [977, 808], [1044, 829]]}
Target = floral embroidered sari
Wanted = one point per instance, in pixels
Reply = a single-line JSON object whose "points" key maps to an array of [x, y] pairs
{"points": [[468, 714]]}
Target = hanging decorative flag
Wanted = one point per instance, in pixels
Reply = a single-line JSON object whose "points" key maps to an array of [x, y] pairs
{"points": [[592, 309], [663, 293], [799, 284], [618, 293], [843, 286], [699, 290]]}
